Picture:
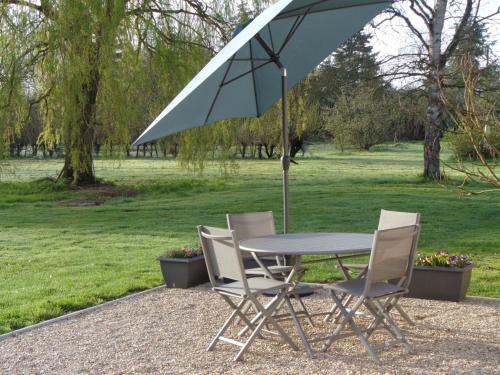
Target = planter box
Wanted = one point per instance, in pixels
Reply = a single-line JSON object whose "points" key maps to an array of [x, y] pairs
{"points": [[183, 272], [440, 283]]}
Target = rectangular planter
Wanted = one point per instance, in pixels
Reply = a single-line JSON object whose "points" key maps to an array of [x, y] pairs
{"points": [[440, 283], [183, 272]]}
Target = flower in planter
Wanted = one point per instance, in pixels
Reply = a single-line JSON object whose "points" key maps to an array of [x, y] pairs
{"points": [[185, 252], [442, 258]]}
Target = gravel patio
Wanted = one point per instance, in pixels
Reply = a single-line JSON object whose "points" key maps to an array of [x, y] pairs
{"points": [[166, 331]]}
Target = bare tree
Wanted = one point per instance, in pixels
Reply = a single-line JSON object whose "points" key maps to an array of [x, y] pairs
{"points": [[436, 44]]}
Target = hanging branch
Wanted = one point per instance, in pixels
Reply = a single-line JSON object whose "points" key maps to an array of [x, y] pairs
{"points": [[477, 120]]}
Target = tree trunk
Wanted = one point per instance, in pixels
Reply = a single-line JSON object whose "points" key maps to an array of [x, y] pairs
{"points": [[435, 108], [433, 133], [78, 160], [243, 150], [19, 147], [253, 151], [269, 149], [296, 144], [174, 149]]}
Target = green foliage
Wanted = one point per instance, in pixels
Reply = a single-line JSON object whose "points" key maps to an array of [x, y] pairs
{"points": [[352, 65], [215, 142], [303, 116], [100, 71], [361, 118], [463, 148]]}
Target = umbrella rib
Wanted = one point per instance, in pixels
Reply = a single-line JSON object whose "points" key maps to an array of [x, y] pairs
{"points": [[244, 74], [270, 36], [294, 27], [250, 59], [219, 89], [272, 55], [288, 13], [253, 79]]}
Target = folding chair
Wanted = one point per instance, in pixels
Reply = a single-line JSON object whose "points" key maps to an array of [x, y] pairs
{"points": [[388, 220], [391, 257], [223, 259], [257, 224]]}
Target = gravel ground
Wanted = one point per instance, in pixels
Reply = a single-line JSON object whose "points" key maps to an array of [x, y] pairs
{"points": [[167, 331]]}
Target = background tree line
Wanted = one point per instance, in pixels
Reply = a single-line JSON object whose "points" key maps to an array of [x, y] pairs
{"points": [[81, 78]]}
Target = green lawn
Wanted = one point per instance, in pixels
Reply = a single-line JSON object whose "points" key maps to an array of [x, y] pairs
{"points": [[56, 258]]}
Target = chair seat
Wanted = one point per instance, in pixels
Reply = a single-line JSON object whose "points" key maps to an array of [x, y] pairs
{"points": [[273, 269], [256, 285], [357, 286]]}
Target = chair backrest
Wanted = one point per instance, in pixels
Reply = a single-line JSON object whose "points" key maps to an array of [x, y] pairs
{"points": [[251, 225], [222, 254], [392, 254], [394, 219]]}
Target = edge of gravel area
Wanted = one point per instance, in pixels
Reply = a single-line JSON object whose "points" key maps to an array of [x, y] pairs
{"points": [[135, 295], [78, 313]]}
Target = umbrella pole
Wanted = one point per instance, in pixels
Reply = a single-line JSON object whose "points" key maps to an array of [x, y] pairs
{"points": [[285, 158]]}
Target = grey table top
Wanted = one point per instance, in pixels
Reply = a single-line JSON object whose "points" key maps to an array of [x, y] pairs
{"points": [[309, 243]]}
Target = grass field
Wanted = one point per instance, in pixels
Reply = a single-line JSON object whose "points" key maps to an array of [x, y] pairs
{"points": [[57, 258]]}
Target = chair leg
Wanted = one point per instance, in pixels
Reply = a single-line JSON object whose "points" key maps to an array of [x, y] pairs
{"points": [[299, 328], [268, 316], [378, 319], [304, 308], [244, 310], [240, 312], [252, 337], [225, 326], [403, 314], [339, 314], [266, 313], [388, 305], [334, 308], [394, 327], [259, 313], [348, 318]]}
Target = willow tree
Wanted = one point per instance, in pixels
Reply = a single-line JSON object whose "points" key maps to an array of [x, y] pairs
{"points": [[81, 54]]}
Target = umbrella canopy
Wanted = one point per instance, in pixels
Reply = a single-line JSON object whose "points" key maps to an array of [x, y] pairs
{"points": [[244, 78], [276, 49]]}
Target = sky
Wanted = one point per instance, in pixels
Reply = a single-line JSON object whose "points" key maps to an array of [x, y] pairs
{"points": [[393, 38]]}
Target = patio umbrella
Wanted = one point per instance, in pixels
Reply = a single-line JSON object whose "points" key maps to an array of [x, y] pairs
{"points": [[265, 57]]}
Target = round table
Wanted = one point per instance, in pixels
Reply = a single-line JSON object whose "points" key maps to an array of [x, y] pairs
{"points": [[297, 244]]}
